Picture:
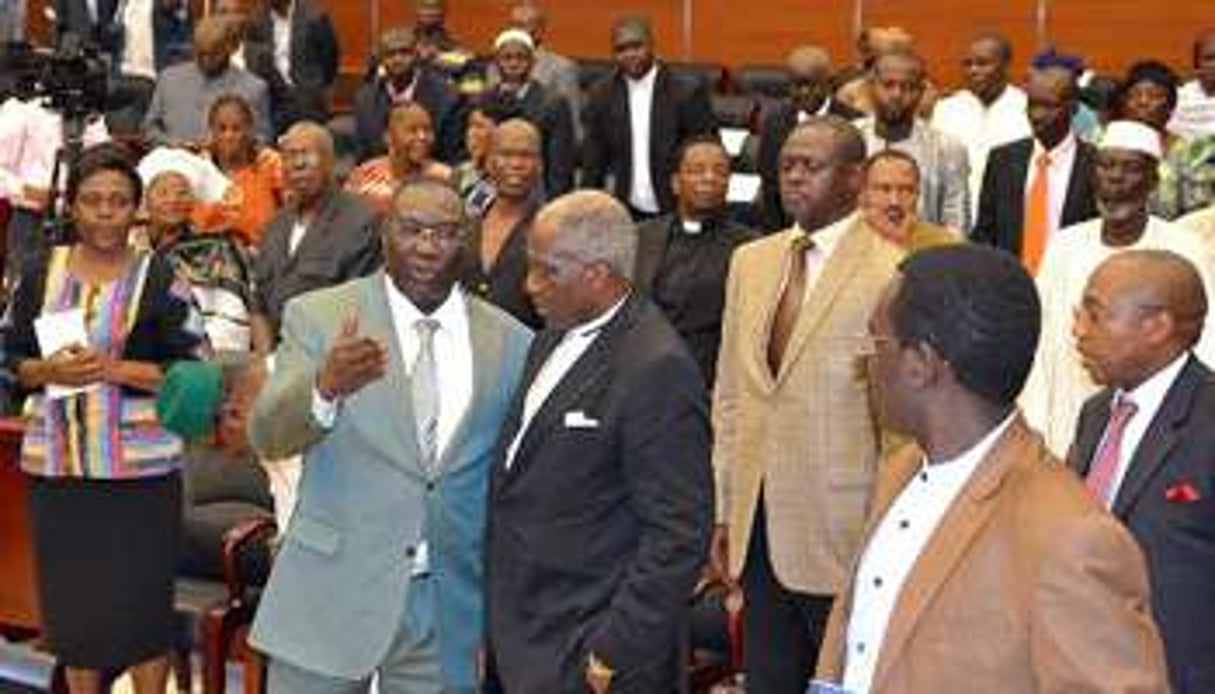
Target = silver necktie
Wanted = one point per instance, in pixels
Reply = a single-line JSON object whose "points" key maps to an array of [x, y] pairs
{"points": [[425, 387]]}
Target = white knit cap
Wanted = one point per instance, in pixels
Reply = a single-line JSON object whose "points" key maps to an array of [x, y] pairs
{"points": [[1132, 135], [515, 36]]}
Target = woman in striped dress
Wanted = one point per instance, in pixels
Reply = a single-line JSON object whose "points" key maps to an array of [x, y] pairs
{"points": [[105, 495]]}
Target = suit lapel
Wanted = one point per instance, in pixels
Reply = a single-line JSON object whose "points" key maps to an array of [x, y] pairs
{"points": [[587, 371], [392, 423], [1079, 193], [966, 516], [843, 264], [313, 234], [541, 348], [652, 244], [1161, 437]]}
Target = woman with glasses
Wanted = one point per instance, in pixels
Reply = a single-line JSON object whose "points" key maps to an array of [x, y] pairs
{"points": [[90, 329]]}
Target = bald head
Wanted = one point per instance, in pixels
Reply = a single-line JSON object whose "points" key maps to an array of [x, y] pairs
{"points": [[805, 60], [213, 44], [516, 134], [515, 164], [1165, 280]]}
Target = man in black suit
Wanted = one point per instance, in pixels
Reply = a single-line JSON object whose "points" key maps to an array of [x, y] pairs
{"points": [[324, 237], [515, 56], [300, 85], [810, 88], [398, 76], [601, 496], [1146, 444], [1053, 98], [635, 120], [683, 258]]}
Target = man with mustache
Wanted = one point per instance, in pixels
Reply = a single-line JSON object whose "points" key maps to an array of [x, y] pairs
{"points": [[889, 200], [1126, 166]]}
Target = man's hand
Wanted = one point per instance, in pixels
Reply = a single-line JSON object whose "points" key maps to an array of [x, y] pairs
{"points": [[719, 555], [598, 675], [75, 366], [352, 363]]}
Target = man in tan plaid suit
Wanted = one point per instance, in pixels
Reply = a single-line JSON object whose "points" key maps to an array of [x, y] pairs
{"points": [[795, 449]]}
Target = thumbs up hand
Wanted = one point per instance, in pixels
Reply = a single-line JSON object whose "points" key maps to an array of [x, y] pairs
{"points": [[353, 362]]}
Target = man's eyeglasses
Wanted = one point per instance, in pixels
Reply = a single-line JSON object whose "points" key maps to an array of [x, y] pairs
{"points": [[415, 230]]}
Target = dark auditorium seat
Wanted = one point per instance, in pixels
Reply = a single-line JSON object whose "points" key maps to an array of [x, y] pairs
{"points": [[769, 81], [711, 75], [592, 70]]}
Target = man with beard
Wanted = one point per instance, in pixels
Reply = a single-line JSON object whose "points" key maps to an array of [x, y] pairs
{"points": [[889, 199], [635, 120], [898, 86], [1127, 160], [683, 258], [393, 388]]}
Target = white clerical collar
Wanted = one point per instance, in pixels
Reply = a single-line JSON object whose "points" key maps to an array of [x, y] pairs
{"points": [[691, 227]]}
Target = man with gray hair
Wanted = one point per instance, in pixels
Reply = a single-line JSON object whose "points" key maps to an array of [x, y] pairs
{"points": [[601, 495]]}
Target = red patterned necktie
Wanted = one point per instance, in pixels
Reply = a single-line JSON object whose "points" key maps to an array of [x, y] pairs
{"points": [[1100, 478]]}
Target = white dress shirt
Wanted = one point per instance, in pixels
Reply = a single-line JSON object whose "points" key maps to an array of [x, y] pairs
{"points": [[1062, 161], [282, 41], [825, 241], [1148, 398], [981, 127], [892, 551], [563, 357], [138, 42], [453, 358], [641, 106]]}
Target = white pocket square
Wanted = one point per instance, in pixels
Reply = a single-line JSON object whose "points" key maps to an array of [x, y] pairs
{"points": [[577, 419]]}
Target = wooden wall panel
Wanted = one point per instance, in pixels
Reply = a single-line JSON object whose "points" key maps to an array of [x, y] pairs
{"points": [[944, 28], [739, 32], [1114, 33]]}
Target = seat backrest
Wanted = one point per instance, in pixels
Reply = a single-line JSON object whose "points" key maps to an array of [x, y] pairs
{"points": [[765, 80]]}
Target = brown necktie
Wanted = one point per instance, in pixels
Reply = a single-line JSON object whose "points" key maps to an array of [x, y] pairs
{"points": [[790, 302]]}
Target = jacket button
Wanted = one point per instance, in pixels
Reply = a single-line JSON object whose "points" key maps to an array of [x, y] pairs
{"points": [[409, 552]]}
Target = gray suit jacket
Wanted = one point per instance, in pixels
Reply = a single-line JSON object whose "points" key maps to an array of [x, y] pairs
{"points": [[183, 96], [342, 243], [334, 597]]}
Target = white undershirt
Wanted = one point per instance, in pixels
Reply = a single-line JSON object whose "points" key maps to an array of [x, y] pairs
{"points": [[282, 41], [138, 50], [1148, 398], [891, 553], [641, 106], [297, 234], [563, 357]]}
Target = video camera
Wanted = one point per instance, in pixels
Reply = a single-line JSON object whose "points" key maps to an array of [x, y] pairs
{"points": [[72, 79]]}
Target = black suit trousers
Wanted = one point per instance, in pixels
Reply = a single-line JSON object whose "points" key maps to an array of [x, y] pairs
{"points": [[782, 629]]}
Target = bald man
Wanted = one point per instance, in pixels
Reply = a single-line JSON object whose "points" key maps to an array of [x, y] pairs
{"points": [[178, 111], [1146, 444], [601, 497], [810, 71], [392, 387], [322, 237]]}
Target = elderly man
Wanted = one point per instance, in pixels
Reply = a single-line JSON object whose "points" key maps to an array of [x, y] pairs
{"points": [[635, 120], [380, 572], [989, 111], [795, 448], [323, 237], [810, 83], [683, 258], [889, 199], [1144, 443], [1125, 177], [496, 262], [178, 112], [601, 496], [515, 58], [986, 567], [1037, 185], [898, 85], [401, 77]]}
